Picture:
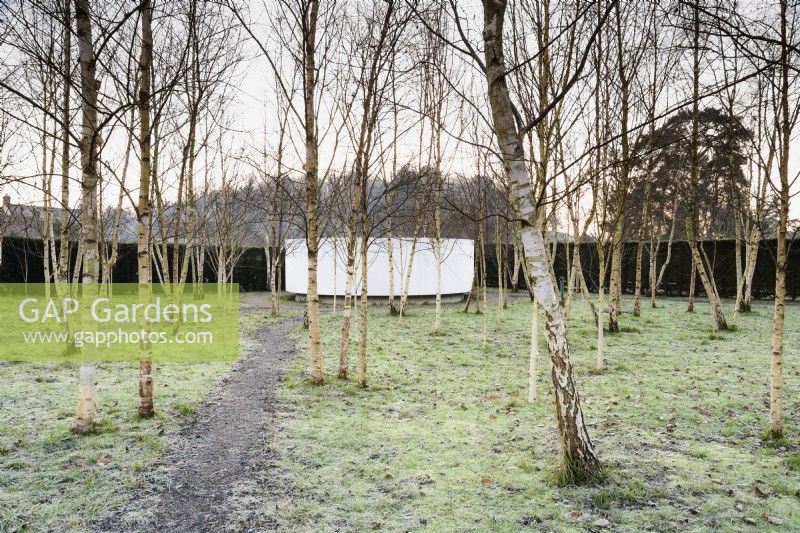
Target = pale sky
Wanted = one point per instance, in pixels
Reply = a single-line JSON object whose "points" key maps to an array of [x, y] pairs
{"points": [[254, 112]]}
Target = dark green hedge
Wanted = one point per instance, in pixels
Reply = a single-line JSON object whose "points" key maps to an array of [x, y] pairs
{"points": [[22, 261], [676, 278]]}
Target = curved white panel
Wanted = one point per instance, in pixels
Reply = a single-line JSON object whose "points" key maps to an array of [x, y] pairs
{"points": [[457, 266]]}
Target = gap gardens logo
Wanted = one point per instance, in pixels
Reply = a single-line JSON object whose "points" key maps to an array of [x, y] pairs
{"points": [[119, 322]]}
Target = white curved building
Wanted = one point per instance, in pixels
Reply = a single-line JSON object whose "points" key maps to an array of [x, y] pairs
{"points": [[457, 266]]}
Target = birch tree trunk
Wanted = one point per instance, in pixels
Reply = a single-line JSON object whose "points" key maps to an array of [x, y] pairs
{"points": [[484, 308], [667, 259], [316, 373], [515, 273], [349, 286], [786, 126], [600, 361], [692, 286], [614, 286], [751, 256], [62, 273], [578, 453], [703, 270], [143, 209], [737, 223], [637, 290], [90, 86], [652, 252], [637, 297], [363, 308]]}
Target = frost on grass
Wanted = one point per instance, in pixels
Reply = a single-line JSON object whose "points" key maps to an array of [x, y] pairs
{"points": [[52, 479], [444, 438]]}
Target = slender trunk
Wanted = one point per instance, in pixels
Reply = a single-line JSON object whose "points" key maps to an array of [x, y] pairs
{"points": [[335, 274], [364, 316], [498, 255], [90, 139], [585, 292], [143, 209], [47, 178], [614, 288], [738, 259], [776, 373], [390, 259], [474, 284], [484, 278], [515, 272], [600, 360], [652, 251], [667, 259], [274, 282], [349, 287], [419, 209], [578, 453], [776, 366], [703, 270], [437, 244], [637, 291], [637, 297], [571, 279], [692, 281], [617, 246], [750, 267], [63, 257], [407, 278], [316, 373]]}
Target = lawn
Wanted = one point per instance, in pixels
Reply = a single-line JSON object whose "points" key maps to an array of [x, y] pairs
{"points": [[52, 479], [444, 438]]}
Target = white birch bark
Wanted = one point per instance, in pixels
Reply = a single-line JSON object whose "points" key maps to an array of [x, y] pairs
{"points": [[578, 452], [90, 86], [146, 406]]}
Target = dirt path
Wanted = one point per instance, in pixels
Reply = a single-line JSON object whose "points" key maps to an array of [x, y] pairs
{"points": [[221, 448]]}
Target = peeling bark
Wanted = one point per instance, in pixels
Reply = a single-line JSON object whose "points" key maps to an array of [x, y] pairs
{"points": [[577, 450], [143, 208], [90, 87]]}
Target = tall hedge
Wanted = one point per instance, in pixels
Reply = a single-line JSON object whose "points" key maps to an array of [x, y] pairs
{"points": [[22, 262], [676, 277]]}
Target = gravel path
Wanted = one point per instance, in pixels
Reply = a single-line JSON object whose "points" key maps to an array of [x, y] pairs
{"points": [[223, 447]]}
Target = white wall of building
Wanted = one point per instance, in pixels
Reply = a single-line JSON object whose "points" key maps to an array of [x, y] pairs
{"points": [[457, 266]]}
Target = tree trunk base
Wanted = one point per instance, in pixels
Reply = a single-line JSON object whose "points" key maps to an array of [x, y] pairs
{"points": [[579, 473], [82, 427]]}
